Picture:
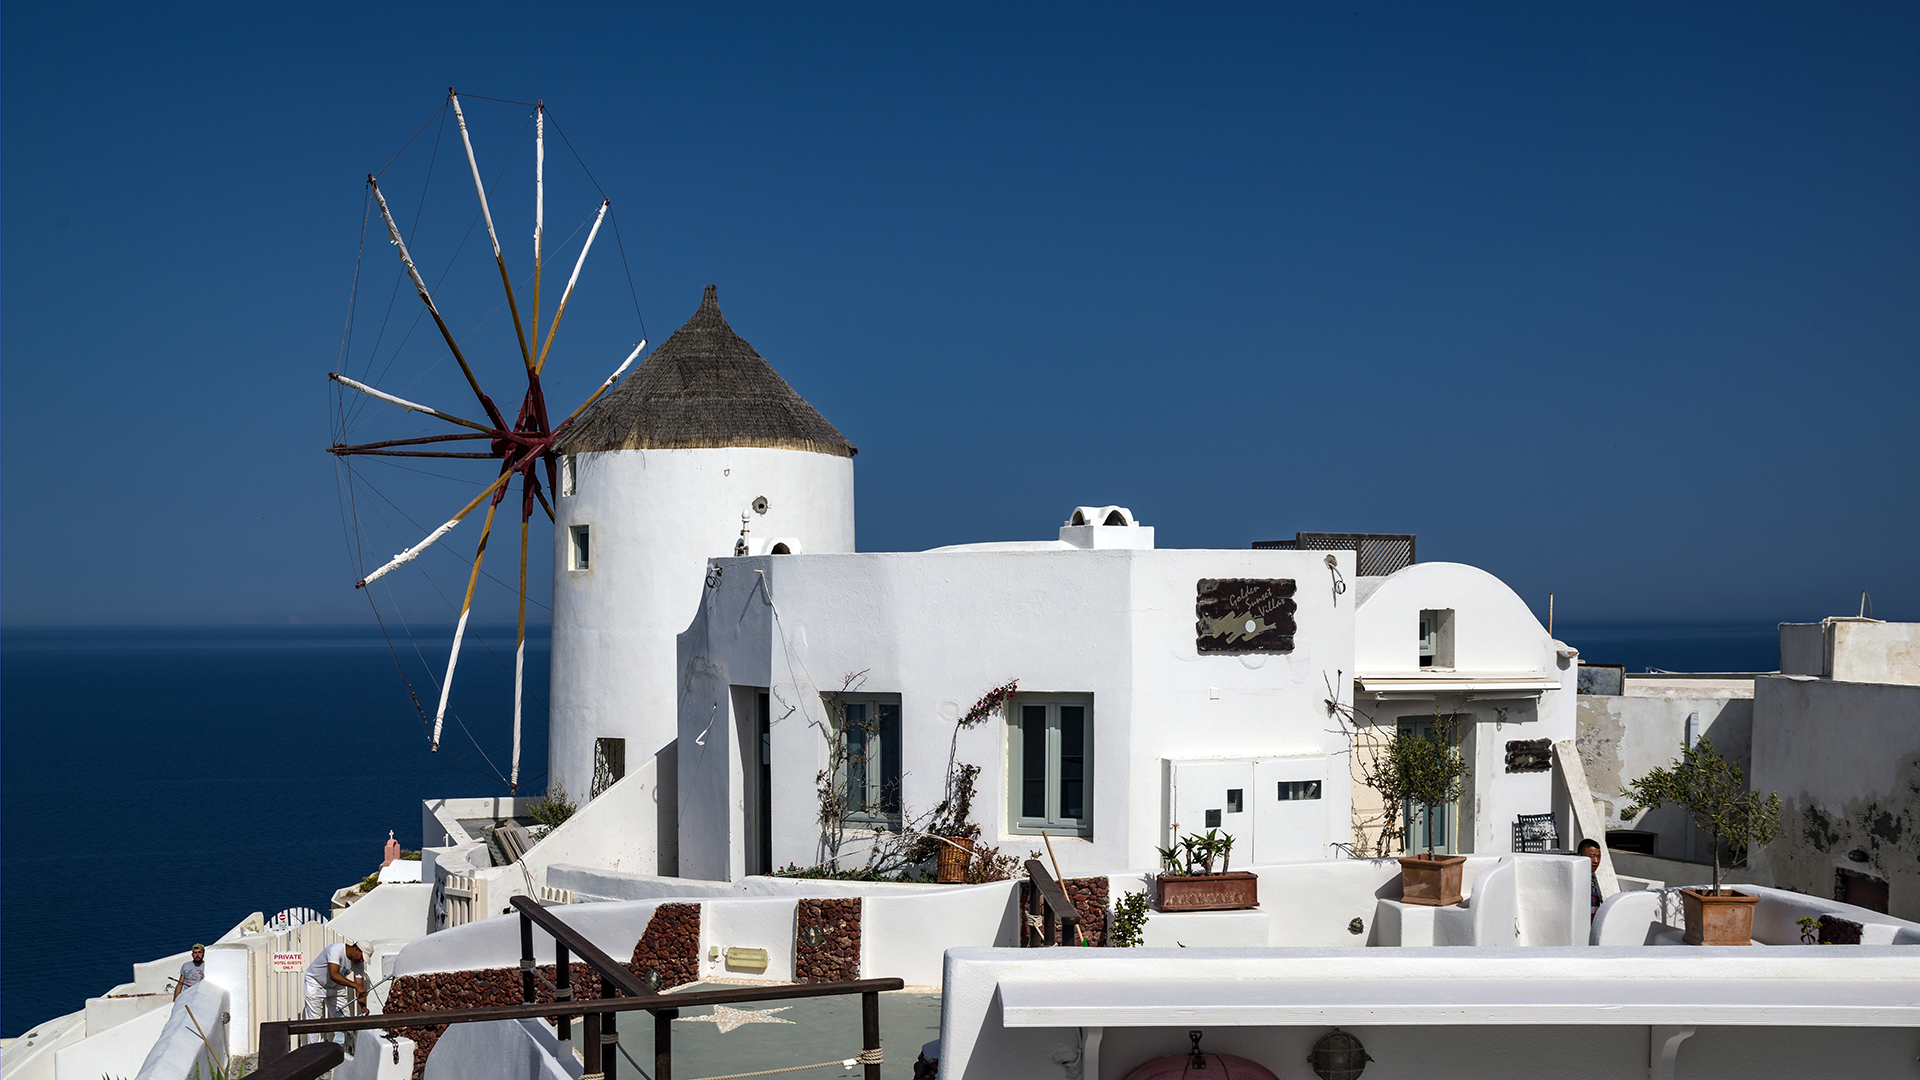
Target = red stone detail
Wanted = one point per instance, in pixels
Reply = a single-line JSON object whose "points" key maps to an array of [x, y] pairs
{"points": [[671, 946], [837, 957]]}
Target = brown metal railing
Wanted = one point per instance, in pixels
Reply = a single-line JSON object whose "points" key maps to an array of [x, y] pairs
{"points": [[599, 1015]]}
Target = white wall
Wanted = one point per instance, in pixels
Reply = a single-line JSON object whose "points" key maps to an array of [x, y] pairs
{"points": [[194, 1040], [942, 628], [1852, 650], [656, 516], [1622, 738], [1845, 758], [118, 1051], [1494, 632], [1365, 994], [502, 1050]]}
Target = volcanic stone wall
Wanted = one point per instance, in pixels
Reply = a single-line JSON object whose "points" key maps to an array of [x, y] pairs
{"points": [[1088, 896], [670, 946], [437, 990], [837, 957]]}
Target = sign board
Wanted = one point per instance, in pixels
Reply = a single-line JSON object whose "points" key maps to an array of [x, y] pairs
{"points": [[289, 962], [1244, 615]]}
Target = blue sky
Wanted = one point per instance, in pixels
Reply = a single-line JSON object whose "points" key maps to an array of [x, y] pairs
{"points": [[1619, 301]]}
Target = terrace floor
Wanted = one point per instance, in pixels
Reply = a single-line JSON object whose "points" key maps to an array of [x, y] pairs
{"points": [[751, 1036]]}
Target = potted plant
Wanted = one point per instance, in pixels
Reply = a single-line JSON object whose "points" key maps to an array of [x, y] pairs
{"points": [[1713, 792], [1428, 770], [1190, 883]]}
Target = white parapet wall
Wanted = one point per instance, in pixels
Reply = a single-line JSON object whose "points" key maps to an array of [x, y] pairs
{"points": [[1655, 916], [1011, 1014]]}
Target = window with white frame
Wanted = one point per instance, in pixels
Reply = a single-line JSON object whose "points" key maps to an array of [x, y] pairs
{"points": [[869, 766], [579, 547], [568, 477], [1050, 763]]}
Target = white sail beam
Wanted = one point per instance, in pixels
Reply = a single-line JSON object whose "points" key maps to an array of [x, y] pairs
{"points": [[486, 212], [410, 406], [539, 202], [413, 552], [561, 311], [519, 654], [420, 286], [616, 374], [460, 631]]}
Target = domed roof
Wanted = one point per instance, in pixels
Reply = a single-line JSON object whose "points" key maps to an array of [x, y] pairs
{"points": [[703, 387]]}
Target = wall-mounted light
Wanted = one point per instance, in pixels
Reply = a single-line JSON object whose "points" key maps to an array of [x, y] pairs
{"points": [[1338, 1056], [652, 982], [1357, 926], [812, 936]]}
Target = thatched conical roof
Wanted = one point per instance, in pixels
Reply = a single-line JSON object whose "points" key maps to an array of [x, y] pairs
{"points": [[703, 387]]}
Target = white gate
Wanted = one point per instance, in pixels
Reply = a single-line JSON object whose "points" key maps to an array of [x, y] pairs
{"points": [[279, 990]]}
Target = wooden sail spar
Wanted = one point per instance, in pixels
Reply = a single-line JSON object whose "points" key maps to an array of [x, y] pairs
{"points": [[523, 447]]}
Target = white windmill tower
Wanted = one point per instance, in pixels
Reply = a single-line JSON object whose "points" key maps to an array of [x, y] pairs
{"points": [[703, 452]]}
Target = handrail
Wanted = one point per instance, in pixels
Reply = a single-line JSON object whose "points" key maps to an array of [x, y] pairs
{"points": [[574, 941], [598, 1014], [306, 1063], [690, 999], [1050, 890]]}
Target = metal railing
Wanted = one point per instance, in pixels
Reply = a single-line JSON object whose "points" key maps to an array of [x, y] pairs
{"points": [[599, 1016], [1374, 554], [1048, 908]]}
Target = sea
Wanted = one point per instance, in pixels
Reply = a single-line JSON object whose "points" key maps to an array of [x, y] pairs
{"points": [[157, 785]]}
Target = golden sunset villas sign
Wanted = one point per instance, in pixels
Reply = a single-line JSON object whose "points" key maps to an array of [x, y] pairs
{"points": [[1244, 615]]}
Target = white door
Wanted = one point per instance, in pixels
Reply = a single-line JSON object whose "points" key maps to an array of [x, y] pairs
{"points": [[1290, 809], [1214, 793]]}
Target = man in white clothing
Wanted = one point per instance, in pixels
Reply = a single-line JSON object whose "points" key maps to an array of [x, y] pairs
{"points": [[335, 971]]}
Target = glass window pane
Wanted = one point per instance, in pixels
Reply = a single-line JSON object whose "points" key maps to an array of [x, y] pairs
{"points": [[856, 732], [1033, 761], [1073, 731], [886, 723]]}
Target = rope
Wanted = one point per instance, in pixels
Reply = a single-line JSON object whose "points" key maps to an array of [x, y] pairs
{"points": [[865, 1057]]}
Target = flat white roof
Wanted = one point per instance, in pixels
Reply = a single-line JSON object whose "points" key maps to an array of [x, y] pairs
{"points": [[1829, 986]]}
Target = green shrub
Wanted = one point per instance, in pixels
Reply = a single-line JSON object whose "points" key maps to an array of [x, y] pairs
{"points": [[1128, 930], [551, 810]]}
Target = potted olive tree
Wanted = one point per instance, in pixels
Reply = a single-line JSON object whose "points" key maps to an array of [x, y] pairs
{"points": [[1713, 792], [1427, 770], [1189, 881]]}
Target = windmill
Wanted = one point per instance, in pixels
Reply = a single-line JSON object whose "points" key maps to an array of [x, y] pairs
{"points": [[523, 447]]}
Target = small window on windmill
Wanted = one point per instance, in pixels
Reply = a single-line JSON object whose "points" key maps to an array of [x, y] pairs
{"points": [[569, 482], [579, 550]]}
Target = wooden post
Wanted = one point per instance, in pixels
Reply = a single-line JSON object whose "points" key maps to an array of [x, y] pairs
{"points": [[870, 1031], [274, 1041], [563, 984], [663, 1043], [610, 1046], [526, 958], [590, 1040]]}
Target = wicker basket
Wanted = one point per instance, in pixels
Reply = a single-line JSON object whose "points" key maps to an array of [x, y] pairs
{"points": [[955, 853]]}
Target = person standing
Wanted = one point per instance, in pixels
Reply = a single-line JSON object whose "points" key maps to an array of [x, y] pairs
{"points": [[1591, 849], [191, 972], [335, 971]]}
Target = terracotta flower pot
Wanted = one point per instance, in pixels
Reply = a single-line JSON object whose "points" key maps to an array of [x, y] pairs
{"points": [[1206, 892], [955, 854], [1433, 881], [1726, 919]]}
